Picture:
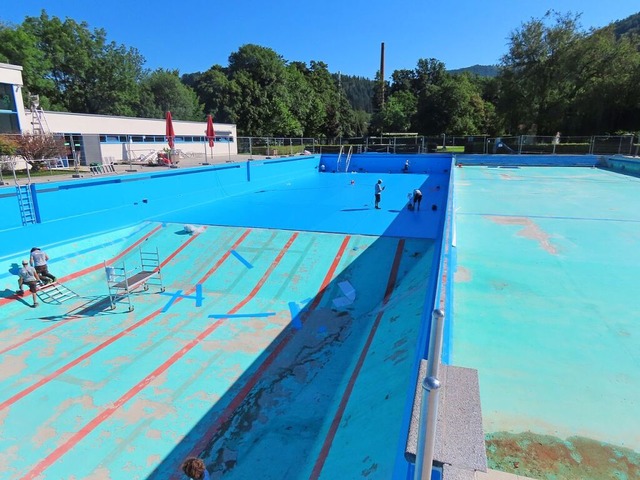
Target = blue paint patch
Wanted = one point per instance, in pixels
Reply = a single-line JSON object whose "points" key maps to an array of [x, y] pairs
{"points": [[198, 295], [241, 258], [241, 315], [296, 320], [178, 294]]}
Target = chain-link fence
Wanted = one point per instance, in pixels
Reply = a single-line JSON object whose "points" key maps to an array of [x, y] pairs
{"points": [[272, 146], [552, 145], [476, 144]]}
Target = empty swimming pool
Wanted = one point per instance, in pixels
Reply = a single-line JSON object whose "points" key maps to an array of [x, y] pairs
{"points": [[284, 340], [547, 269], [287, 336]]}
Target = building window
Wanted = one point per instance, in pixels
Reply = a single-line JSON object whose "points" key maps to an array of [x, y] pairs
{"points": [[8, 111]]}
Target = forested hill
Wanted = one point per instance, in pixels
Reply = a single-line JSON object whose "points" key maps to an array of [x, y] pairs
{"points": [[628, 26], [358, 90], [481, 70]]}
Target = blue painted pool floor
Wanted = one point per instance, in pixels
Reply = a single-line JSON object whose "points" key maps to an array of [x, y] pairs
{"points": [[329, 202], [283, 352], [548, 267]]}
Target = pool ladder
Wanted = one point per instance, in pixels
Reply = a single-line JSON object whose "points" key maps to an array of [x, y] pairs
{"points": [[347, 160], [25, 203]]}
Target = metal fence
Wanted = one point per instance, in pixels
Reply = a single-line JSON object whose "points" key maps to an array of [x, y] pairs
{"points": [[473, 144]]}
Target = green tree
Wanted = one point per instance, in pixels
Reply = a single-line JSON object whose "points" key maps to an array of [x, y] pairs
{"points": [[8, 145], [213, 89], [258, 86], [163, 91], [73, 68], [398, 112], [604, 95], [535, 76], [20, 47]]}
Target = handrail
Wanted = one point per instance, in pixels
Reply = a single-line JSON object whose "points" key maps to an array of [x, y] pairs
{"points": [[430, 398], [348, 161], [339, 157]]}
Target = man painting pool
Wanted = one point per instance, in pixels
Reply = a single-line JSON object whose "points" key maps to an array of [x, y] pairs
{"points": [[378, 192]]}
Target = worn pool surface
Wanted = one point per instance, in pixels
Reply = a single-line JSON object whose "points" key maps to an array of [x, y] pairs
{"points": [[272, 350], [286, 340], [548, 267]]}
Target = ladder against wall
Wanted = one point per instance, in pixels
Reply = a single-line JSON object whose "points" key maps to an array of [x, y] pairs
{"points": [[25, 203], [39, 124], [347, 159], [122, 282]]}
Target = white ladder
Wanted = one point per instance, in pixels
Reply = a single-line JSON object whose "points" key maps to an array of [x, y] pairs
{"points": [[348, 161], [39, 124]]}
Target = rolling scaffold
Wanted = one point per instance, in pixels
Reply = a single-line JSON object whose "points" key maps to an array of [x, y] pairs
{"points": [[122, 282]]}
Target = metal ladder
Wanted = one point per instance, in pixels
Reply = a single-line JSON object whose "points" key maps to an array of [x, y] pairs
{"points": [[25, 203], [339, 158], [55, 293], [348, 161], [39, 123]]}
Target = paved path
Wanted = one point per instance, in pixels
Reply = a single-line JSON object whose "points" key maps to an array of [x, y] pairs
{"points": [[125, 169]]}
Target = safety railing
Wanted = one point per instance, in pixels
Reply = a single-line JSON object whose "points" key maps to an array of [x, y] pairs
{"points": [[430, 398], [474, 144]]}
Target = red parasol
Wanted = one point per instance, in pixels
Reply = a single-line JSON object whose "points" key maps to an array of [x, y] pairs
{"points": [[170, 134], [211, 134]]}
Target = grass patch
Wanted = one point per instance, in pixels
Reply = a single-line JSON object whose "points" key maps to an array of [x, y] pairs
{"points": [[455, 149], [40, 173]]}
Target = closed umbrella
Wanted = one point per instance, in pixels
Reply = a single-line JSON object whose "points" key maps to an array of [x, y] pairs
{"points": [[170, 134], [210, 133], [171, 138]]}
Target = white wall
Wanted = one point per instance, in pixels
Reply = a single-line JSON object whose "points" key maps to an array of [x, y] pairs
{"points": [[82, 124], [79, 123]]}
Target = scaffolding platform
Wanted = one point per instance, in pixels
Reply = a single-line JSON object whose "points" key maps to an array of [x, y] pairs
{"points": [[123, 282]]}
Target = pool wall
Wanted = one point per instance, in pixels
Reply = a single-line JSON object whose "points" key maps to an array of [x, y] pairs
{"points": [[439, 295], [625, 165], [388, 163], [528, 160], [82, 207]]}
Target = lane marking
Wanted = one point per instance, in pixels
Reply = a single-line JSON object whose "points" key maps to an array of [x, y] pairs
{"points": [[253, 380], [105, 414], [242, 259], [333, 429], [46, 379], [82, 272], [243, 315], [92, 268]]}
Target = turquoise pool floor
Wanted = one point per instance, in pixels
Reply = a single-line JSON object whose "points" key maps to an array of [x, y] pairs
{"points": [[278, 351], [548, 268]]}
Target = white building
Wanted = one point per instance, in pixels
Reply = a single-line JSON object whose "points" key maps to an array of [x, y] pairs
{"points": [[104, 138]]}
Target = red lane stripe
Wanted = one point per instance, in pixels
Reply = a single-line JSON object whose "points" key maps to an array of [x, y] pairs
{"points": [[266, 275], [329, 276], [248, 386], [62, 322], [89, 427], [94, 267], [106, 343], [326, 446]]}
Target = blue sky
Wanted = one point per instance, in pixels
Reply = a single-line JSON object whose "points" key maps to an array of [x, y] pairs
{"points": [[192, 35]]}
